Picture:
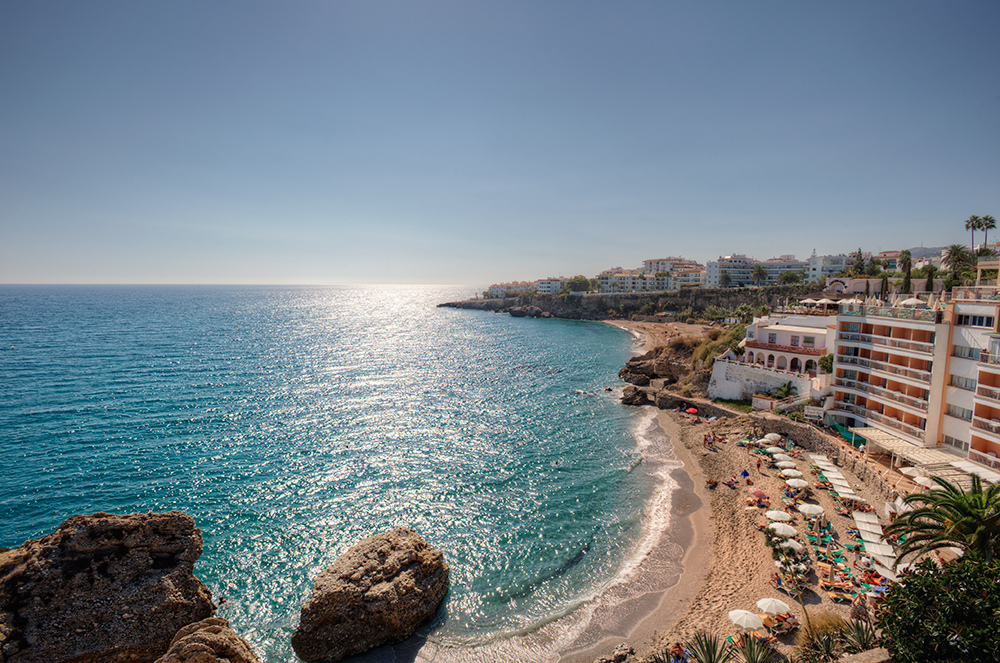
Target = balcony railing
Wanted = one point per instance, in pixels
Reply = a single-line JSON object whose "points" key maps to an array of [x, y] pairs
{"points": [[984, 459], [885, 341], [854, 361], [851, 384], [988, 392], [913, 374], [986, 357], [974, 293], [793, 349], [899, 312], [988, 426], [895, 423], [903, 399]]}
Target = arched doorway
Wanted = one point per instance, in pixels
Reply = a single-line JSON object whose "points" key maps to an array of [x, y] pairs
{"points": [[795, 366], [782, 363]]}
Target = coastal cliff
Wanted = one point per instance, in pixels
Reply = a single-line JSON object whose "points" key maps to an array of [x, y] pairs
{"points": [[623, 305]]}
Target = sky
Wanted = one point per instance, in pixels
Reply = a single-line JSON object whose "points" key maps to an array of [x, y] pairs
{"points": [[469, 142]]}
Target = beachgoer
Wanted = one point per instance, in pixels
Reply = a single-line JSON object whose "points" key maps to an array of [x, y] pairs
{"points": [[759, 463], [857, 558], [677, 654]]}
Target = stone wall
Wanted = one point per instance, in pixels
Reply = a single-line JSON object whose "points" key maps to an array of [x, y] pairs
{"points": [[735, 381]]}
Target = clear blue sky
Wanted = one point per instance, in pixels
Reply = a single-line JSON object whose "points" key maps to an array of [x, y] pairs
{"points": [[471, 142]]}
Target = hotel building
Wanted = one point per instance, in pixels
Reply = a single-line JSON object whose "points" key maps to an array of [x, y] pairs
{"points": [[927, 376]]}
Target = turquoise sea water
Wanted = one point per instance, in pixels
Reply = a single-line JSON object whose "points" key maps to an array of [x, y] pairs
{"points": [[291, 422]]}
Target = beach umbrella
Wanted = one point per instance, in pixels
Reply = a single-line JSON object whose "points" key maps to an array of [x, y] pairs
{"points": [[773, 450], [758, 493], [809, 509], [913, 301], [774, 437], [911, 471], [791, 544], [780, 456], [774, 514], [692, 410], [791, 473], [808, 300], [924, 481], [786, 465], [781, 529], [762, 442], [744, 474], [772, 606], [797, 483], [745, 619]]}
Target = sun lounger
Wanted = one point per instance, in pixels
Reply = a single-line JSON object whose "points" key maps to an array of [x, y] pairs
{"points": [[842, 597]]}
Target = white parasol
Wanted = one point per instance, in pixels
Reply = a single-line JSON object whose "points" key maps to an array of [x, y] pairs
{"points": [[781, 456], [791, 544], [786, 465], [745, 619], [911, 471], [791, 473], [781, 529], [924, 481], [778, 515], [774, 450], [772, 606], [810, 509], [797, 483], [774, 437]]}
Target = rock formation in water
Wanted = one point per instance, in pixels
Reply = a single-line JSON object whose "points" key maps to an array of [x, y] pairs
{"points": [[101, 588], [376, 593], [634, 396], [208, 641]]}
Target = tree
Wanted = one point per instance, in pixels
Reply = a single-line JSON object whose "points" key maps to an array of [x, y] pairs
{"points": [[988, 223], [826, 363], [973, 223], [786, 390], [758, 274], [929, 272], [905, 264], [725, 280], [885, 286], [874, 267], [579, 283], [949, 516], [858, 266], [945, 613], [958, 259]]}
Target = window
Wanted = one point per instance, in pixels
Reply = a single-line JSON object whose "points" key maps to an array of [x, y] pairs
{"points": [[963, 383], [750, 334], [809, 341], [966, 352], [850, 375], [795, 341], [959, 412], [961, 445], [772, 337], [854, 327], [975, 321]]}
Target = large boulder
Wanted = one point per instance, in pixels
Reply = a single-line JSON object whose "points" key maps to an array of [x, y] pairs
{"points": [[376, 593], [101, 588], [634, 396], [208, 641]]}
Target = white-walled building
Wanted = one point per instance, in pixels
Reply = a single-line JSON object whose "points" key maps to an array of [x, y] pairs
{"points": [[740, 269], [823, 267], [670, 264], [512, 288], [550, 286]]}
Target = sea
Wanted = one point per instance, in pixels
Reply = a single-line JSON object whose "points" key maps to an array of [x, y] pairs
{"points": [[291, 422]]}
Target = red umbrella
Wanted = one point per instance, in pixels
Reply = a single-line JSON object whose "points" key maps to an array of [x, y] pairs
{"points": [[692, 410]]}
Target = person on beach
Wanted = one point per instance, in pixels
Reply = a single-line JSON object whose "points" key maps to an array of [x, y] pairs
{"points": [[677, 654], [759, 463]]}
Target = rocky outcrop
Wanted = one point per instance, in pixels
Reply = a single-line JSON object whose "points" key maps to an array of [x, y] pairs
{"points": [[634, 396], [208, 641], [622, 654], [101, 588], [376, 593]]}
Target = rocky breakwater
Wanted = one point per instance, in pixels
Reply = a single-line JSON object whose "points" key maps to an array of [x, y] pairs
{"points": [[659, 362], [101, 587], [376, 593]]}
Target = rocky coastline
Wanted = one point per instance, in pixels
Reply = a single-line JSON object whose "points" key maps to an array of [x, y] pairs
{"points": [[121, 588]]}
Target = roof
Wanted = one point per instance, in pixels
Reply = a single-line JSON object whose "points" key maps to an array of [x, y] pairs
{"points": [[902, 448]]}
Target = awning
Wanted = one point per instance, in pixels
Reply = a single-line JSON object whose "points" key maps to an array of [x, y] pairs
{"points": [[972, 468], [900, 447]]}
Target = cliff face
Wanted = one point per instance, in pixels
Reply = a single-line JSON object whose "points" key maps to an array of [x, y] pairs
{"points": [[608, 306]]}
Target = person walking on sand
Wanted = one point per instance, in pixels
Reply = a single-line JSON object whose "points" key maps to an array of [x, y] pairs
{"points": [[758, 464]]}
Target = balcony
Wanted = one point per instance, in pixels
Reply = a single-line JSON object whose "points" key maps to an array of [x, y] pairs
{"points": [[853, 361], [886, 342], [984, 459], [988, 426], [791, 349], [992, 359], [893, 369], [915, 403], [857, 338], [988, 392], [912, 431], [898, 313], [990, 294]]}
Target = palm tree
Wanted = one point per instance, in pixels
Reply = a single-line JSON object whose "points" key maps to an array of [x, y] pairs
{"points": [[758, 274], [973, 223], [709, 648], [988, 223], [725, 280], [958, 259], [948, 517]]}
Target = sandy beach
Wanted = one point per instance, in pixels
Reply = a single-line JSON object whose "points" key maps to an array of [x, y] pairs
{"points": [[727, 564]]}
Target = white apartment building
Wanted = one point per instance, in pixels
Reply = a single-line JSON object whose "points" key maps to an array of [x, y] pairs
{"points": [[670, 264], [550, 286], [740, 269], [512, 288], [823, 267], [686, 278]]}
